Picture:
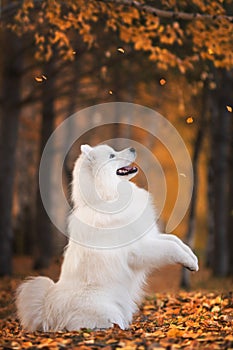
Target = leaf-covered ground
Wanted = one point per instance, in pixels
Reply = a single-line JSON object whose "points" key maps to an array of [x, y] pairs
{"points": [[198, 320]]}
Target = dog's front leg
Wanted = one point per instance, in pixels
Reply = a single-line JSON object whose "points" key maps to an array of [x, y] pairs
{"points": [[159, 252], [185, 247]]}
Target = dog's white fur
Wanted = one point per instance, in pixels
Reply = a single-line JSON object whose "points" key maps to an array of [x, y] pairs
{"points": [[100, 287]]}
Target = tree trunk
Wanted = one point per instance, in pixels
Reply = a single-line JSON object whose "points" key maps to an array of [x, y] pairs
{"points": [[213, 121], [230, 213], [10, 112], [189, 239], [221, 143], [209, 254], [44, 237]]}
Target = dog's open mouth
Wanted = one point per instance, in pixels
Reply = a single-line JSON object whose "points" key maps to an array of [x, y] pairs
{"points": [[127, 170]]}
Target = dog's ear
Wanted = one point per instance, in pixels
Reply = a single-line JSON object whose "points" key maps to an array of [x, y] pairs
{"points": [[85, 149]]}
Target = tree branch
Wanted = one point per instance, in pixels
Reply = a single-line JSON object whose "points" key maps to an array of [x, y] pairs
{"points": [[7, 9], [167, 14]]}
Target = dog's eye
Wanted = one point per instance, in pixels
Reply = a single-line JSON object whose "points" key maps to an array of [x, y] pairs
{"points": [[112, 155]]}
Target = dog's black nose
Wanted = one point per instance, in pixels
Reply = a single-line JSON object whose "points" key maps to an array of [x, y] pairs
{"points": [[132, 150]]}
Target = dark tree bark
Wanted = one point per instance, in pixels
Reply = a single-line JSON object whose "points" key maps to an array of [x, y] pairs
{"points": [[210, 193], [230, 213], [11, 73], [213, 117], [220, 142], [43, 230], [190, 234]]}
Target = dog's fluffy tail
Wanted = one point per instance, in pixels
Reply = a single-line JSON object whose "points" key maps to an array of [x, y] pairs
{"points": [[30, 297]]}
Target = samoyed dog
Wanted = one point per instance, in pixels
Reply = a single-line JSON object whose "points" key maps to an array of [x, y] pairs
{"points": [[114, 242]]}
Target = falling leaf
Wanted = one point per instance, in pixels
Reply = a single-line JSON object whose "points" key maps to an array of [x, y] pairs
{"points": [[121, 50], [110, 92], [229, 108], [189, 120], [40, 78], [162, 81]]}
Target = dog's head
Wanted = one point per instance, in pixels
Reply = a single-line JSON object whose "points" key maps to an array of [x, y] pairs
{"points": [[105, 161], [99, 170]]}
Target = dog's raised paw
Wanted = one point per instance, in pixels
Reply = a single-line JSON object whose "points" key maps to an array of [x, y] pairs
{"points": [[193, 267]]}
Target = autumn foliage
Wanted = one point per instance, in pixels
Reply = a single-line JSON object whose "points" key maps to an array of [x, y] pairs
{"points": [[191, 33], [165, 321]]}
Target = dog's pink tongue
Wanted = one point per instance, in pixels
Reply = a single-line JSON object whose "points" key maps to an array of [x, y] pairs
{"points": [[126, 170]]}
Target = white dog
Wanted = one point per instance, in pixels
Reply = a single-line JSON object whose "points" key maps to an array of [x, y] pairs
{"points": [[114, 243]]}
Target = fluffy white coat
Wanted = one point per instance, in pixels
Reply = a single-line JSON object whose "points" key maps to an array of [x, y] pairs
{"points": [[110, 252]]}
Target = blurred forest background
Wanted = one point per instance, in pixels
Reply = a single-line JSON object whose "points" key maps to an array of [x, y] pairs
{"points": [[173, 56]]}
